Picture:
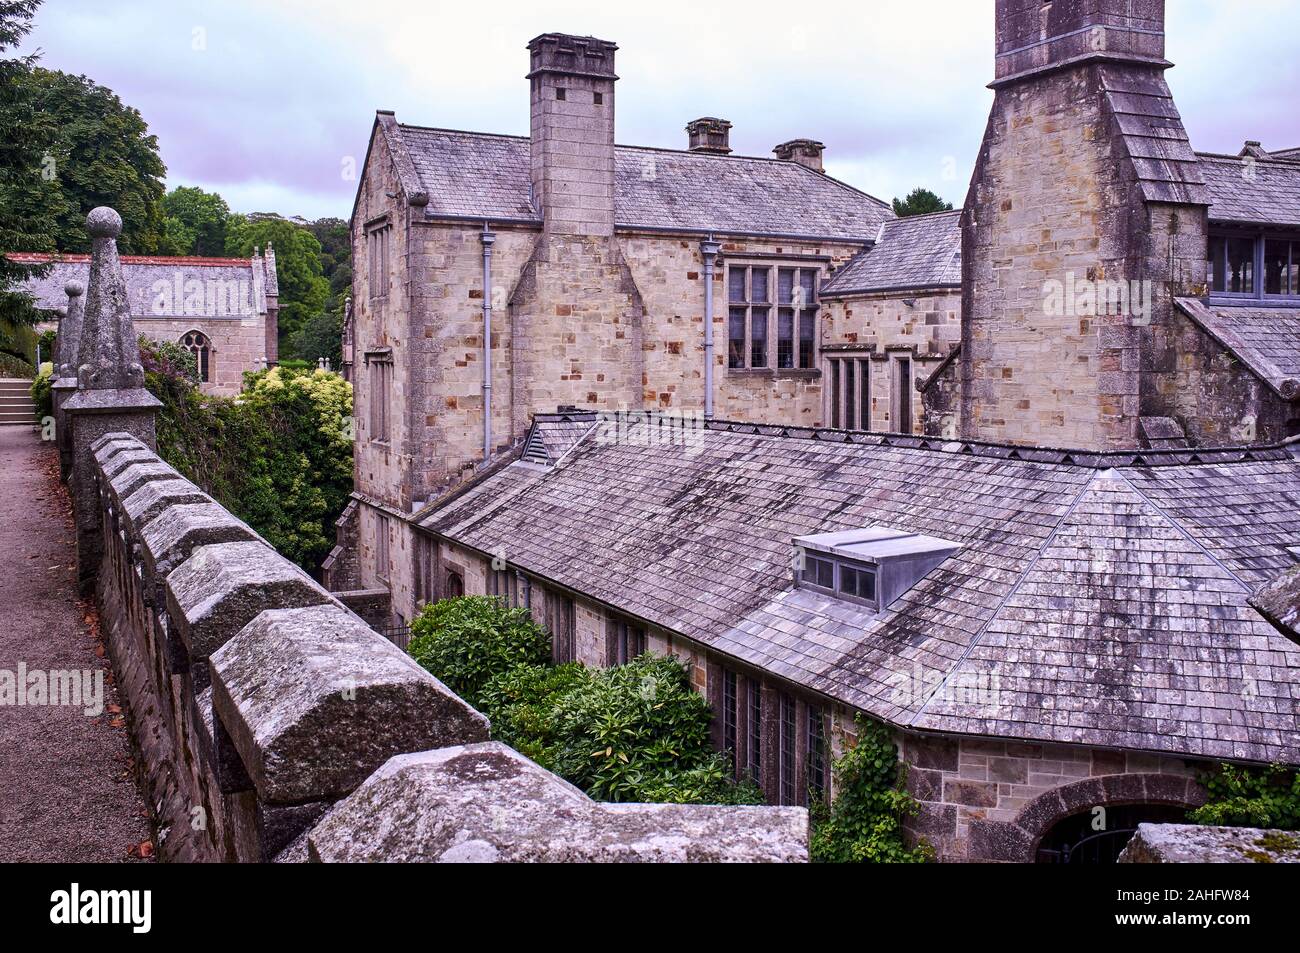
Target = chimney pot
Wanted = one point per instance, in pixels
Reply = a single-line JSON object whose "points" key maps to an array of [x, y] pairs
{"points": [[806, 152], [709, 135]]}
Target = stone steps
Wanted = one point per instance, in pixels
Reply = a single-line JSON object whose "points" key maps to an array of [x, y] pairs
{"points": [[16, 405]]}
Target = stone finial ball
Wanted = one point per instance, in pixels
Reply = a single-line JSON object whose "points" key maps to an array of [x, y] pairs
{"points": [[103, 222], [74, 289]]}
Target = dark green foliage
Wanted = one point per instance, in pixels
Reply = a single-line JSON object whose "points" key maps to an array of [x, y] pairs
{"points": [[321, 336], [29, 198], [637, 732], [102, 155], [865, 823], [279, 457], [1251, 797], [304, 291], [42, 391], [194, 222], [920, 202], [465, 642]]}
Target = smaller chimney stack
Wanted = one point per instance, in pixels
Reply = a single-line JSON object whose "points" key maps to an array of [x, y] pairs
{"points": [[806, 152], [709, 135]]}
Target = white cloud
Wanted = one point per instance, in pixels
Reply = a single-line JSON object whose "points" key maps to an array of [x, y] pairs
{"points": [[285, 90]]}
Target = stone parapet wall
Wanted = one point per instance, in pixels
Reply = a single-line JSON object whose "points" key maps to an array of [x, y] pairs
{"points": [[272, 723]]}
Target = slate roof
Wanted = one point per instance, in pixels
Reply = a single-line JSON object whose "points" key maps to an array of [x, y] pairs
{"points": [[1094, 604], [152, 284], [478, 175], [1257, 191], [1151, 131], [1266, 340], [920, 251]]}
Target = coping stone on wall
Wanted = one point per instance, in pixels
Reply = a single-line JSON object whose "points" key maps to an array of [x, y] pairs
{"points": [[223, 587], [487, 803], [315, 701]]}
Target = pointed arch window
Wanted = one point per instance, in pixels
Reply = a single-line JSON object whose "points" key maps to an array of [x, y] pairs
{"points": [[197, 343]]}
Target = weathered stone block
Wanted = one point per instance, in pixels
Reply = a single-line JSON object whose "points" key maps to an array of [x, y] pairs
{"points": [[315, 701], [178, 530], [998, 841], [113, 463], [221, 588], [136, 474], [152, 498], [1186, 844], [487, 803]]}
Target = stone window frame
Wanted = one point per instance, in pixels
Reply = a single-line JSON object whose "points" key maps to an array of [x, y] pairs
{"points": [[625, 640], [383, 548], [849, 409], [203, 353], [511, 586], [1259, 238], [803, 315], [379, 241], [562, 622], [731, 686], [902, 388], [453, 582], [379, 367]]}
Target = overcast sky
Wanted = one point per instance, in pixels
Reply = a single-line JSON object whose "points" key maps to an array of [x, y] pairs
{"points": [[267, 101]]}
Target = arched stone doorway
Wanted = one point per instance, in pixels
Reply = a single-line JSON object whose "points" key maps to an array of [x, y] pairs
{"points": [[1090, 821]]}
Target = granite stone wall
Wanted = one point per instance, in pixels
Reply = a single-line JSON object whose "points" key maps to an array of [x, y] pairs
{"points": [[983, 800], [923, 326], [272, 723], [237, 345]]}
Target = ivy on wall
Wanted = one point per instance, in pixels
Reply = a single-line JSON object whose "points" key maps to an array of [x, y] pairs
{"points": [[865, 822]]}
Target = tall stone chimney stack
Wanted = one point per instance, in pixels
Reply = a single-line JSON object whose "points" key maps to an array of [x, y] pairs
{"points": [[1086, 215], [572, 127], [1037, 35]]}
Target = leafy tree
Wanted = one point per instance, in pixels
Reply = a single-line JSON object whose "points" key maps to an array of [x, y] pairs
{"points": [[321, 336], [102, 155], [194, 222], [920, 202], [279, 457], [304, 292], [29, 198], [865, 823]]}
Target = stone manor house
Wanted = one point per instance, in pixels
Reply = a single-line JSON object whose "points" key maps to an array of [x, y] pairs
{"points": [[1007, 479], [225, 311]]}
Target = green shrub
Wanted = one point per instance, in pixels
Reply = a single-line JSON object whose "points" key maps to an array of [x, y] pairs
{"points": [[865, 823], [465, 642], [1251, 797], [637, 732], [520, 703], [279, 456], [42, 391]]}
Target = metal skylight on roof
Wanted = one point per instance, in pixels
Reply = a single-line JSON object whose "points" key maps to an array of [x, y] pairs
{"points": [[872, 566]]}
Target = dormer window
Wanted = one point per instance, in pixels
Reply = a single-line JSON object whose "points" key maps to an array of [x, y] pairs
{"points": [[872, 566], [1254, 267]]}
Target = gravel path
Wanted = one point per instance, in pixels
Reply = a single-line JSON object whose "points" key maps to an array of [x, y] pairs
{"points": [[66, 787]]}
